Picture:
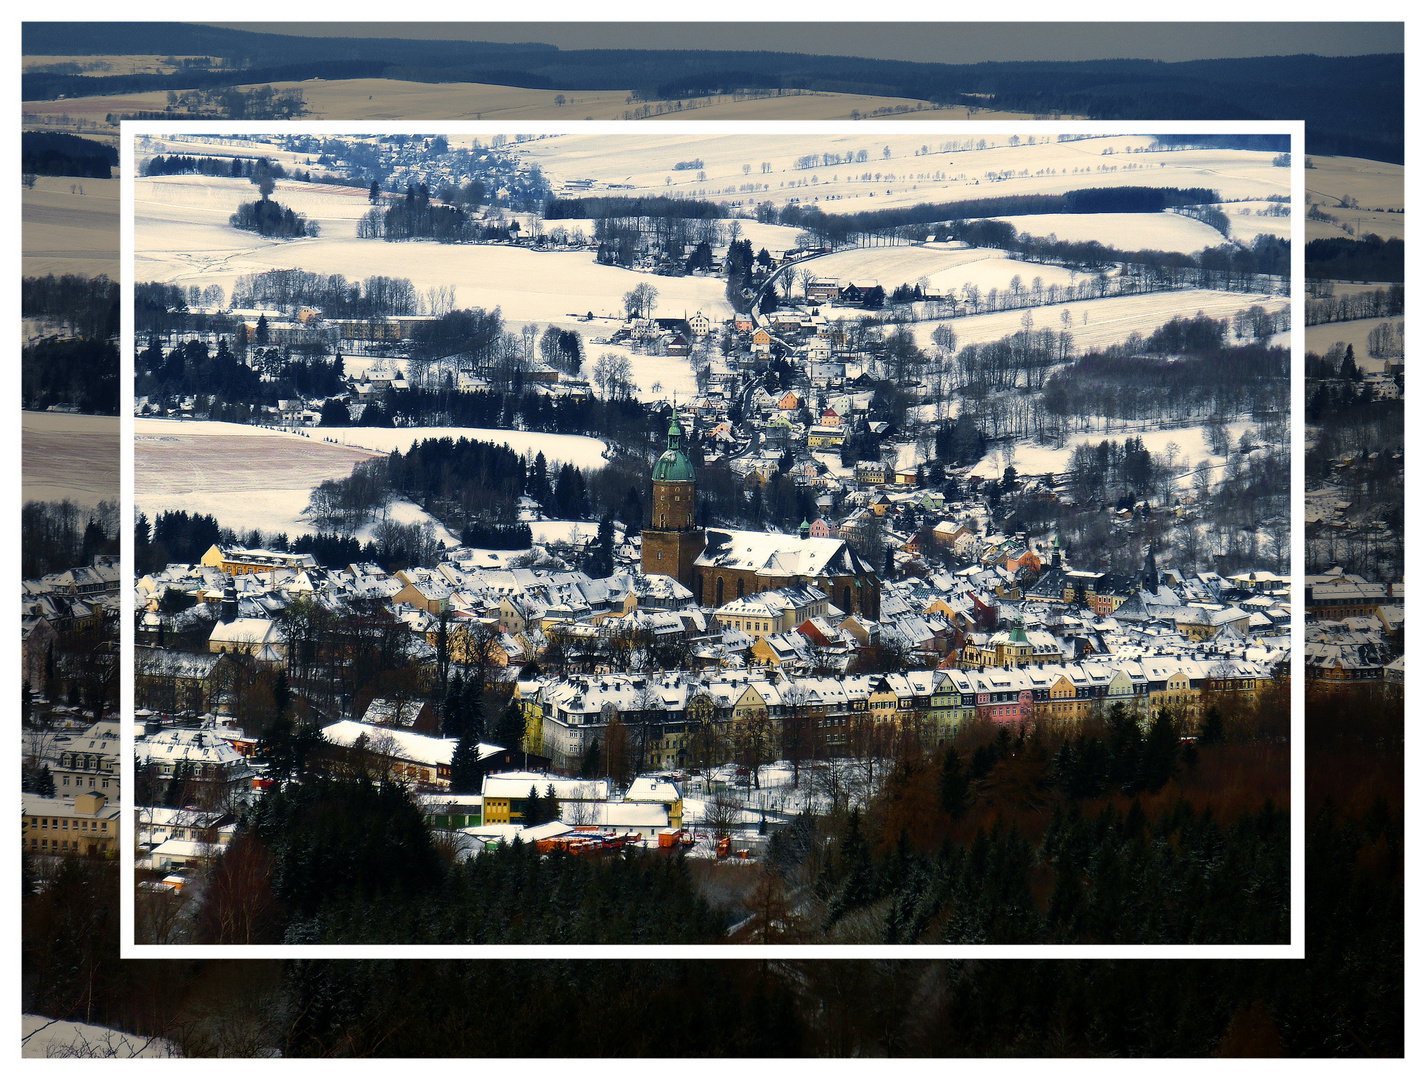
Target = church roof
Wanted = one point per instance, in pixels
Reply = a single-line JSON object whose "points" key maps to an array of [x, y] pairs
{"points": [[778, 555]]}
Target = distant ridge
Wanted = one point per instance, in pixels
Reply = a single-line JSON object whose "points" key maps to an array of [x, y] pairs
{"points": [[1352, 105]]}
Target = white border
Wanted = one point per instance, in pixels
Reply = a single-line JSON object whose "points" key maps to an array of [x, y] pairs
{"points": [[1295, 949]]}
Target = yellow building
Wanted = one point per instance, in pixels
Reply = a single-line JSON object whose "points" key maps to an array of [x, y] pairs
{"points": [[84, 825]]}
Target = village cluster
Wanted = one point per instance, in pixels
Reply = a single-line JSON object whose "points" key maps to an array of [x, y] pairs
{"points": [[789, 653]]}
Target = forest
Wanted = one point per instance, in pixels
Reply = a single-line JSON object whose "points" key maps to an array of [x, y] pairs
{"points": [[85, 307], [352, 861], [1368, 258], [56, 154], [80, 372]]}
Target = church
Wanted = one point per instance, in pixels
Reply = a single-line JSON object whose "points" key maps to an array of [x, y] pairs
{"points": [[720, 565]]}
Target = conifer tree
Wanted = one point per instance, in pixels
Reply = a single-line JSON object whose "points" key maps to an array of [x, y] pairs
{"points": [[452, 715], [465, 764], [955, 786]]}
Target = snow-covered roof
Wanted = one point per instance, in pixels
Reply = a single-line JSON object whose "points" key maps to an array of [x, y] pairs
{"points": [[405, 744]]}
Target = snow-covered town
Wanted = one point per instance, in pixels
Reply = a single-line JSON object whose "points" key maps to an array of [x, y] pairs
{"points": [[713, 515]]}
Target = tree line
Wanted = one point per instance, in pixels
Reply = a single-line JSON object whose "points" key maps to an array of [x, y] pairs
{"points": [[1385, 303], [51, 153], [865, 225], [82, 372], [1368, 258], [88, 307], [342, 860], [375, 296], [55, 536]]}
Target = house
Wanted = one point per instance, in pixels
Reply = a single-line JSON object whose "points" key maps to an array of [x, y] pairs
{"points": [[649, 789], [216, 769], [89, 761], [259, 638], [824, 435], [173, 682], [422, 760]]}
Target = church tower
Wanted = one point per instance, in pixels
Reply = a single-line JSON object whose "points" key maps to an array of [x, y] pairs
{"points": [[670, 539]]}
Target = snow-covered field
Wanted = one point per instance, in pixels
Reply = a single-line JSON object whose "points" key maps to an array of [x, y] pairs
{"points": [[69, 456], [215, 468], [1030, 459], [1323, 336], [1127, 232], [1244, 226], [207, 467], [578, 450], [947, 268], [182, 236], [70, 225], [1108, 321], [896, 171], [41, 1037]]}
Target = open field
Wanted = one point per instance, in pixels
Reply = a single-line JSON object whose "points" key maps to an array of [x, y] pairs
{"points": [[64, 232], [1323, 336], [946, 267], [895, 171], [68, 456], [261, 478], [579, 450], [1378, 187], [1031, 459], [219, 469], [107, 65], [1098, 323], [1374, 184], [390, 99], [182, 237], [1127, 232]]}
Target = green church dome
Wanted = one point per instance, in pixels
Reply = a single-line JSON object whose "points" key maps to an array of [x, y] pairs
{"points": [[673, 463]]}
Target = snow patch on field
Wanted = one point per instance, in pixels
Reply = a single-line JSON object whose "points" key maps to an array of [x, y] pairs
{"points": [[556, 532]]}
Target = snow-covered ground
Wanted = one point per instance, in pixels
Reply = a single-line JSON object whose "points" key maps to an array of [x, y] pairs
{"points": [[182, 236], [70, 456], [895, 171], [553, 532], [1128, 232], [1107, 321], [578, 450], [947, 268], [207, 467], [1031, 459], [41, 1037]]}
